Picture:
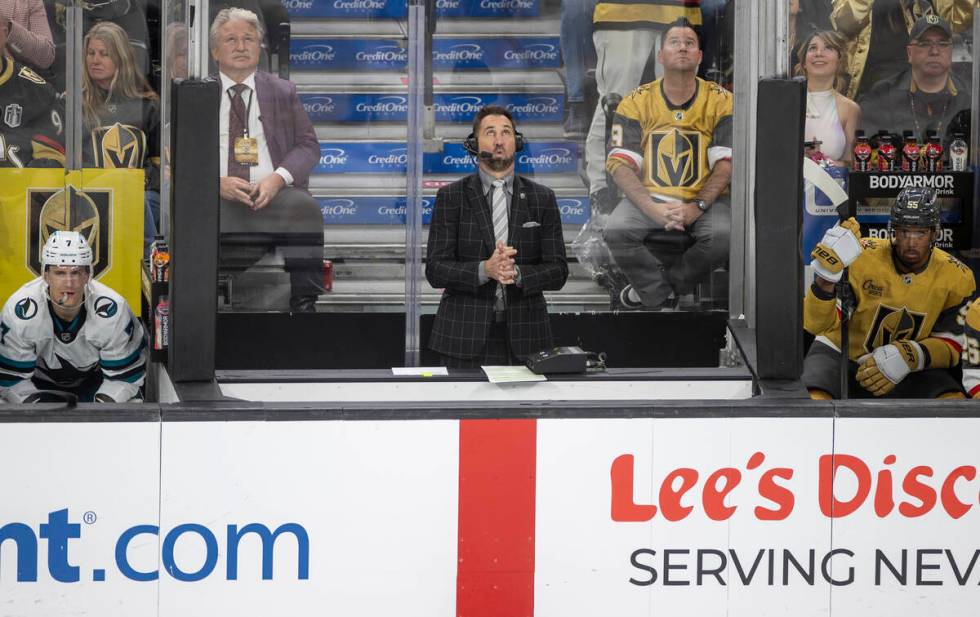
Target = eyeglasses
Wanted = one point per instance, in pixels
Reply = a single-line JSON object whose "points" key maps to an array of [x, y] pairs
{"points": [[940, 45]]}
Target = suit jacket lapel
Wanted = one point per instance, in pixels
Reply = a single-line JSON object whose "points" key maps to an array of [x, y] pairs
{"points": [[267, 115], [518, 210], [481, 210]]}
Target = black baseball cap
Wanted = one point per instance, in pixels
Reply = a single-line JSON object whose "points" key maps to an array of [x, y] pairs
{"points": [[926, 22]]}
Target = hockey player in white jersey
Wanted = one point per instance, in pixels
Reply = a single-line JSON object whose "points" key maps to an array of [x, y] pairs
{"points": [[64, 331]]}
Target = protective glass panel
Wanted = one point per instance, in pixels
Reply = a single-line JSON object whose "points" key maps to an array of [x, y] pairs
{"points": [[330, 112], [651, 158], [888, 109], [560, 69]]}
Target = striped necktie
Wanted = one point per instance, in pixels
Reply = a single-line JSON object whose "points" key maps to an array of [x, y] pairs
{"points": [[499, 228], [499, 211]]}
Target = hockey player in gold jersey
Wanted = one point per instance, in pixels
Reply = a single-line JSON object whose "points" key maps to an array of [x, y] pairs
{"points": [[971, 350], [904, 331]]}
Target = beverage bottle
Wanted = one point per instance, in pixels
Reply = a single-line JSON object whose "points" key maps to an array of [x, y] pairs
{"points": [[862, 152], [161, 323], [887, 154], [933, 152], [159, 261], [958, 153], [812, 149], [910, 153]]}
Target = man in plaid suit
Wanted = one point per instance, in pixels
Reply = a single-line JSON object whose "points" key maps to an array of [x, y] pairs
{"points": [[495, 244]]}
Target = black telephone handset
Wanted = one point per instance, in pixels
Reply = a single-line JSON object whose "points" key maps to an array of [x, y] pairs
{"points": [[558, 360]]}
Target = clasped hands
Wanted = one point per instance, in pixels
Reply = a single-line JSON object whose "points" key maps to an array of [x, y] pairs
{"points": [[501, 266], [255, 195], [679, 215]]}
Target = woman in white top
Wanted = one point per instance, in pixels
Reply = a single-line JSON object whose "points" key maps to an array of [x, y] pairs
{"points": [[831, 117]]}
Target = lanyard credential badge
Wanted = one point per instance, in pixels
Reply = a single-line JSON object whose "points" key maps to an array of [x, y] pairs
{"points": [[247, 150]]}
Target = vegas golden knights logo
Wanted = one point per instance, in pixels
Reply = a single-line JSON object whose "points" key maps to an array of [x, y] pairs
{"points": [[118, 146], [893, 324], [675, 157], [69, 209]]}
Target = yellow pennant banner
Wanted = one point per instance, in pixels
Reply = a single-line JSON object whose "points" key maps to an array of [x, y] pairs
{"points": [[105, 205]]}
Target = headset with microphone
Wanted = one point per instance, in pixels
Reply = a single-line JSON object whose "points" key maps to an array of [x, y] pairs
{"points": [[472, 145]]}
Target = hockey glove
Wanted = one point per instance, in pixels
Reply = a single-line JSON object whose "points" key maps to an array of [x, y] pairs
{"points": [[840, 246], [881, 371]]}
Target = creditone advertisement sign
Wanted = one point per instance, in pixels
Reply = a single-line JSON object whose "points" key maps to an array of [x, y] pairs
{"points": [[454, 107], [373, 210], [539, 157], [488, 517], [397, 9], [448, 54]]}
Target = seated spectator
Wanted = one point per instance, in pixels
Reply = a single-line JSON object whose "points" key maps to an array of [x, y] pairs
{"points": [[905, 329], [876, 30], [130, 15], [671, 148], [122, 116], [65, 332], [927, 95], [31, 113], [25, 23], [267, 150], [831, 117]]}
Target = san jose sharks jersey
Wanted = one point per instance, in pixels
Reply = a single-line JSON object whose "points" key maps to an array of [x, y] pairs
{"points": [[892, 306], [31, 119], [672, 148], [971, 350], [38, 349]]}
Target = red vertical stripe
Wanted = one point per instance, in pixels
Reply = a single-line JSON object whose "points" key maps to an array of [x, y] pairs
{"points": [[495, 567]]}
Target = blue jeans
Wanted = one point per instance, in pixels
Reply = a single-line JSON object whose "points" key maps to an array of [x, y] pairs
{"points": [[576, 45], [625, 234]]}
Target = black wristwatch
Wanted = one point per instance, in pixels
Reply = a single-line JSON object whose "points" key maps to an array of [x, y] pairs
{"points": [[701, 204]]}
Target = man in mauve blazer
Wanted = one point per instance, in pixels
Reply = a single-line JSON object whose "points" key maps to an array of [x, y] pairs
{"points": [[265, 203], [477, 325]]}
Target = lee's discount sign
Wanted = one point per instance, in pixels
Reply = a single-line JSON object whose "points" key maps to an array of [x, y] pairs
{"points": [[479, 518]]}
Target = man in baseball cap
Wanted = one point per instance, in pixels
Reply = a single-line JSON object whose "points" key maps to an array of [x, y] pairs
{"points": [[925, 97]]}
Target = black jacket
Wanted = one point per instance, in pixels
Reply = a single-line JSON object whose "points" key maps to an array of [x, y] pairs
{"points": [[461, 237]]}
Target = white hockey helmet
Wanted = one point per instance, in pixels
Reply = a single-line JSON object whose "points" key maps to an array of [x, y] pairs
{"points": [[66, 248]]}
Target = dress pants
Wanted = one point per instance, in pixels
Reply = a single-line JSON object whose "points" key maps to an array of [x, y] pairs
{"points": [[496, 352], [292, 222]]}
